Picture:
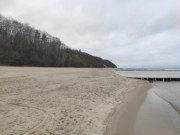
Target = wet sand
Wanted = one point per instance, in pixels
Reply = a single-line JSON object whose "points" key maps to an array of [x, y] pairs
{"points": [[156, 116], [122, 120]]}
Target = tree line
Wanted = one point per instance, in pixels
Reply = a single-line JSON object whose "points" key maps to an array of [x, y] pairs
{"points": [[23, 45]]}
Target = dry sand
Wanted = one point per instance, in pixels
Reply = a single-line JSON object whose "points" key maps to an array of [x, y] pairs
{"points": [[60, 101]]}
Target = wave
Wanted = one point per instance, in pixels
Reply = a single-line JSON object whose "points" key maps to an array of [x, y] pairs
{"points": [[177, 109], [169, 92]]}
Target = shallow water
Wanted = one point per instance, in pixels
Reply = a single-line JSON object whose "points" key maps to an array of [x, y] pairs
{"points": [[159, 115], [169, 91]]}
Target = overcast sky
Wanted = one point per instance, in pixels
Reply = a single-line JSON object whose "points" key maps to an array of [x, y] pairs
{"points": [[130, 33]]}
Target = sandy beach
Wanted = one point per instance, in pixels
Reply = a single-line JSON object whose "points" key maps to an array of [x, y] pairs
{"points": [[60, 101]]}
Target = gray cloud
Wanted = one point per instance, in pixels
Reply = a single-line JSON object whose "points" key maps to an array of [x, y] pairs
{"points": [[4, 4], [139, 33]]}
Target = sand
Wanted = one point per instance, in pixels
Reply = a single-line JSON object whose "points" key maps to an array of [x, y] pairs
{"points": [[60, 101], [121, 121]]}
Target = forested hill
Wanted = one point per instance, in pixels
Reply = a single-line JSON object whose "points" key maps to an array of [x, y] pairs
{"points": [[23, 45]]}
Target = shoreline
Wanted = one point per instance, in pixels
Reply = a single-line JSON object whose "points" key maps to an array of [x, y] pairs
{"points": [[156, 116], [121, 120], [60, 100]]}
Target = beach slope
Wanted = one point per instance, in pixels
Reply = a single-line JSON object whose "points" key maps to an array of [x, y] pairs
{"points": [[60, 101]]}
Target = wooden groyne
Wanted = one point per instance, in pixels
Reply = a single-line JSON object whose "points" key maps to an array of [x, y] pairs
{"points": [[160, 79], [152, 75]]}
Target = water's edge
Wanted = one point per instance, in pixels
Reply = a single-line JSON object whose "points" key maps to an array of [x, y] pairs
{"points": [[146, 111], [175, 109], [157, 115], [122, 119]]}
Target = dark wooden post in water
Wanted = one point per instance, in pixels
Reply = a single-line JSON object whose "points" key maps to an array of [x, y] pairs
{"points": [[159, 79]]}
